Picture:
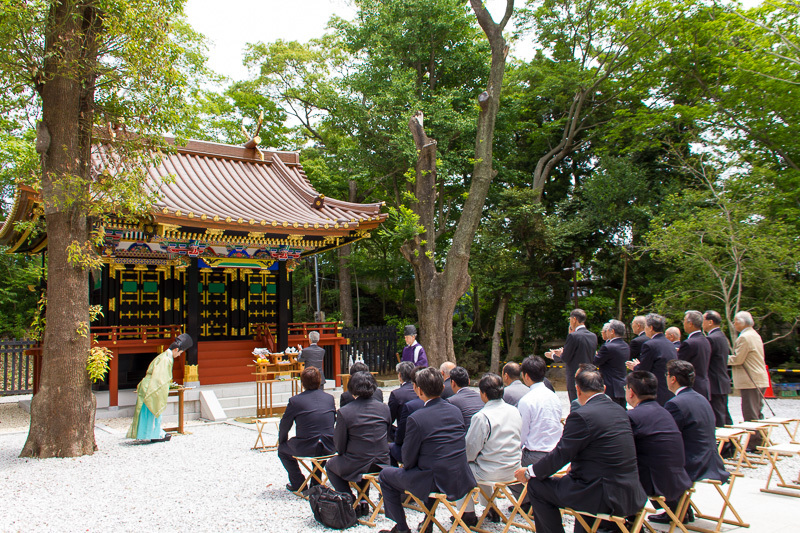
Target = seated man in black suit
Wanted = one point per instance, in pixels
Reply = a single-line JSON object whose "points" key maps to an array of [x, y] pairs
{"points": [[598, 441], [434, 453], [445, 369], [610, 360], [695, 420], [312, 412], [464, 398], [347, 397], [659, 445], [404, 393], [360, 436], [396, 449], [314, 355]]}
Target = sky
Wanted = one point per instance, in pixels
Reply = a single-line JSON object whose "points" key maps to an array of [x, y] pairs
{"points": [[230, 25]]}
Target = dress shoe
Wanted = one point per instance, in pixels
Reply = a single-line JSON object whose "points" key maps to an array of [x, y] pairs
{"points": [[362, 509], [395, 529], [290, 488], [469, 518], [428, 529], [660, 518], [493, 516], [663, 518]]}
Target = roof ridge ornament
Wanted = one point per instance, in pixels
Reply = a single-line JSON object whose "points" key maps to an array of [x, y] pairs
{"points": [[254, 140]]}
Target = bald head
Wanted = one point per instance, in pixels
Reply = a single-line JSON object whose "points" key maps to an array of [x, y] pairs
{"points": [[445, 368], [511, 373], [673, 334]]}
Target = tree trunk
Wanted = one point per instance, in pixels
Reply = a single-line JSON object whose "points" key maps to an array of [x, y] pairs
{"points": [[437, 293], [345, 284], [494, 365], [345, 276], [624, 284], [515, 350], [62, 412]]}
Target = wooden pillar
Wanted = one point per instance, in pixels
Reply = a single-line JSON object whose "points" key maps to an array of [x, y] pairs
{"points": [[113, 379], [192, 309], [283, 296]]}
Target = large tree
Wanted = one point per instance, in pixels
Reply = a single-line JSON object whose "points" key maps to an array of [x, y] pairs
{"points": [[84, 64]]}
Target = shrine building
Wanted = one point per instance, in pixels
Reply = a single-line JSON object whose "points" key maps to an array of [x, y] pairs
{"points": [[214, 259]]}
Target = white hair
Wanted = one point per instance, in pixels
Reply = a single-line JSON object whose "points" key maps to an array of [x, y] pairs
{"points": [[313, 337], [744, 317]]}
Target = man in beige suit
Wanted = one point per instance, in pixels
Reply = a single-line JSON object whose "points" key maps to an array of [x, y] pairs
{"points": [[749, 370]]}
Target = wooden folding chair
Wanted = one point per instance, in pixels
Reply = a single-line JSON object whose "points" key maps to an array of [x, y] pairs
{"points": [[676, 516], [312, 465], [456, 513], [620, 521], [772, 453], [363, 494], [726, 504], [500, 491], [765, 430], [260, 444], [789, 424], [738, 438]]}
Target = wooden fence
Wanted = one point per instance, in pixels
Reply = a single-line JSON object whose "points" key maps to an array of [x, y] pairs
{"points": [[16, 362], [377, 344]]}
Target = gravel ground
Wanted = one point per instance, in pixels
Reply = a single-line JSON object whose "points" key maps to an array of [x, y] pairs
{"points": [[209, 480]]}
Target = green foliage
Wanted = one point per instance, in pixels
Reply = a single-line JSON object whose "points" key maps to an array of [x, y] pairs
{"points": [[97, 363], [724, 249], [403, 225], [19, 291]]}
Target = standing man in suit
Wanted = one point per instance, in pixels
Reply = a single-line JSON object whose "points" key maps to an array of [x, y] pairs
{"points": [[697, 350], [611, 359], [445, 369], [718, 378], [579, 348], [659, 445], [312, 412], [749, 371], [404, 393], [313, 355], [466, 399], [695, 420], [598, 441], [434, 453], [413, 351], [360, 436], [673, 334], [637, 327], [655, 354]]}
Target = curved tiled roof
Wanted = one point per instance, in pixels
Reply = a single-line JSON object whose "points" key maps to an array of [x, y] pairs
{"points": [[206, 185], [237, 190]]}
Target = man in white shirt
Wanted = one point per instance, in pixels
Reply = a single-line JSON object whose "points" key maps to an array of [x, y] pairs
{"points": [[493, 442], [540, 410]]}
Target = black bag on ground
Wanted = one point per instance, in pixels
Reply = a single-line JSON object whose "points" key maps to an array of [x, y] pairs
{"points": [[332, 509]]}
